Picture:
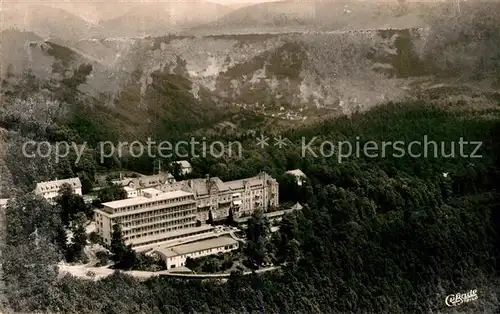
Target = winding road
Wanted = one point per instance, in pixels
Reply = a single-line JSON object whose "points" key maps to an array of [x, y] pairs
{"points": [[82, 271]]}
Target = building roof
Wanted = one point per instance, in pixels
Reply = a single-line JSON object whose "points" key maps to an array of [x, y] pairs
{"points": [[201, 187], [144, 200], [184, 163], [297, 173], [152, 191], [180, 232], [174, 186], [197, 246], [146, 181], [129, 189], [259, 180], [53, 186], [297, 206]]}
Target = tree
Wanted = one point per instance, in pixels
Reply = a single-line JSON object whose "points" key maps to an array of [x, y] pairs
{"points": [[466, 45], [385, 234], [71, 204], [112, 192], [94, 238], [27, 213], [287, 233], [62, 240], [176, 170], [26, 171], [288, 189], [129, 259], [292, 252], [103, 258], [64, 169], [79, 240], [210, 220], [230, 218], [87, 184], [306, 192], [117, 246], [123, 256], [210, 265], [191, 263], [257, 233]]}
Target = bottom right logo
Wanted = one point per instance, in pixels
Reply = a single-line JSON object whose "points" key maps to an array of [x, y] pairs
{"points": [[461, 298]]}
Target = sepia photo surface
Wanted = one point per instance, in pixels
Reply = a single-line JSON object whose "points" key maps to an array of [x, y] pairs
{"points": [[249, 156]]}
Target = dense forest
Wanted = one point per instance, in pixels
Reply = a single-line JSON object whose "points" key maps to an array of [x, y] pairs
{"points": [[376, 235]]}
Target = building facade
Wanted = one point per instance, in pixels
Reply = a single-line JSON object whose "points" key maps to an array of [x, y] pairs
{"points": [[154, 216], [50, 189], [131, 192], [242, 197], [176, 256], [180, 210]]}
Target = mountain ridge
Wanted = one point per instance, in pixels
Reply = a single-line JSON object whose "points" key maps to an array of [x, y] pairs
{"points": [[287, 77]]}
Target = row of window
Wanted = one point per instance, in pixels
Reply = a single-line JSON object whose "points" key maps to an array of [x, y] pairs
{"points": [[57, 187], [182, 210], [171, 238], [154, 203], [156, 232], [163, 218], [205, 210], [201, 253], [228, 198], [180, 222]]}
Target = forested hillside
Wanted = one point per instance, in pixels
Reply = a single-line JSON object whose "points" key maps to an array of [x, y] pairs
{"points": [[377, 234]]}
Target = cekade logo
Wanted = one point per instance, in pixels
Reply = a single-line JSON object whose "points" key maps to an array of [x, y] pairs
{"points": [[461, 298]]}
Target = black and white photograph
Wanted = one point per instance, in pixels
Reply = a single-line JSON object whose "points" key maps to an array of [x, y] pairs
{"points": [[249, 156]]}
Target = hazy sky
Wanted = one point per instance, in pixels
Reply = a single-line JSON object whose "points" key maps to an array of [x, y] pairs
{"points": [[137, 1], [84, 9], [240, 1]]}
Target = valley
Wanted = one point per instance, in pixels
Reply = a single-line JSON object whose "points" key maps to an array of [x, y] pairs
{"points": [[332, 73], [266, 66]]}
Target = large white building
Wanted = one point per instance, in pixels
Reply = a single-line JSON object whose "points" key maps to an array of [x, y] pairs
{"points": [[50, 189], [176, 256], [179, 210], [153, 217]]}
